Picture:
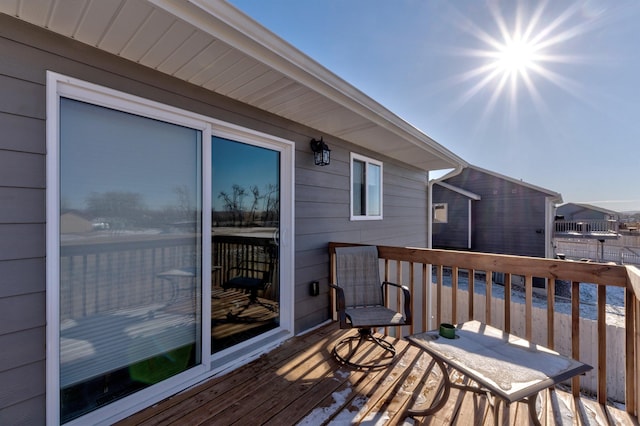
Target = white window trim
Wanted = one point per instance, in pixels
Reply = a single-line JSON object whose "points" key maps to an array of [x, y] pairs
{"points": [[446, 207], [367, 161], [59, 86]]}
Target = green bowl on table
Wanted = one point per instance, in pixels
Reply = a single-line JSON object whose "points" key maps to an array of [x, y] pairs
{"points": [[447, 330]]}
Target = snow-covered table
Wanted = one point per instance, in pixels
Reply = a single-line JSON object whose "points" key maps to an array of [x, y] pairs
{"points": [[506, 367]]}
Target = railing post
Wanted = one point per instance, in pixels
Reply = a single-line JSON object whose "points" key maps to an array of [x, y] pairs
{"points": [[632, 340]]}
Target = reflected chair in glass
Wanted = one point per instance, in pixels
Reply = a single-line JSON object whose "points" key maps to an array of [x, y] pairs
{"points": [[251, 276], [360, 304]]}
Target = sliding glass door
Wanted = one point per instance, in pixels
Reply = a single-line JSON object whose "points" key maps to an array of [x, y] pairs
{"points": [[165, 261], [245, 217], [130, 225]]}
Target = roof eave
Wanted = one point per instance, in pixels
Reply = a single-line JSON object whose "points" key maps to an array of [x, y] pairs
{"points": [[230, 25]]}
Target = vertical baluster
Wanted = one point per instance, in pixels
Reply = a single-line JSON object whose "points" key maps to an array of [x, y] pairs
{"points": [[97, 283], [397, 293], [454, 295], [472, 280], [426, 298], [551, 307], [332, 280], [154, 272], [439, 272], [412, 277], [602, 344], [387, 276], [488, 297], [575, 333], [85, 282], [528, 306], [69, 290], [507, 302]]}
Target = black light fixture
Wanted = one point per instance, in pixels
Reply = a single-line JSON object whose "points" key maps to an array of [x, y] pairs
{"points": [[321, 152]]}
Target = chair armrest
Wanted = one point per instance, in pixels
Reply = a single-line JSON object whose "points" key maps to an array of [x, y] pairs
{"points": [[340, 305], [407, 300]]}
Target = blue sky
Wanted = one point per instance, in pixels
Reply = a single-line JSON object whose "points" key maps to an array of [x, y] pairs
{"points": [[547, 92]]}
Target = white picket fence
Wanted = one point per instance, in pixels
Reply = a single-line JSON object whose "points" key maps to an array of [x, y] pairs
{"points": [[593, 251]]}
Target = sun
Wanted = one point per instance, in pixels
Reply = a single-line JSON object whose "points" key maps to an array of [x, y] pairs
{"points": [[515, 53], [516, 57]]}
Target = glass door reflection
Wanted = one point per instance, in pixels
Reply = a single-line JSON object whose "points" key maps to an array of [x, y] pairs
{"points": [[245, 221]]}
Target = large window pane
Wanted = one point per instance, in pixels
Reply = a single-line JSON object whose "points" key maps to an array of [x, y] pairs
{"points": [[245, 243], [130, 253]]}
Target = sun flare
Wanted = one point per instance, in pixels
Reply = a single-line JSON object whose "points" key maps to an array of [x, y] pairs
{"points": [[518, 53]]}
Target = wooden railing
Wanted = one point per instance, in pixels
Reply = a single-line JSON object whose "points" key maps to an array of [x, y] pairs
{"points": [[96, 277], [102, 276], [231, 251], [413, 267]]}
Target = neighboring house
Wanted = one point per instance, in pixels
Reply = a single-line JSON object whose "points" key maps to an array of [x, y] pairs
{"points": [[581, 211], [162, 112], [582, 229], [585, 221], [483, 211]]}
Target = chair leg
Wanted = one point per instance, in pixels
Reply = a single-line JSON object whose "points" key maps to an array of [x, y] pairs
{"points": [[364, 335]]}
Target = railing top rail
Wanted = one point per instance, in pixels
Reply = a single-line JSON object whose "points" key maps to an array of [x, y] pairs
{"points": [[596, 273]]}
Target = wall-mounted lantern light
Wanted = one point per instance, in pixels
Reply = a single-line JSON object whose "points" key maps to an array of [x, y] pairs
{"points": [[321, 152]]}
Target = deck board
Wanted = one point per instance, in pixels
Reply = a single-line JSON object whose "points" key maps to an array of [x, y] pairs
{"points": [[301, 383]]}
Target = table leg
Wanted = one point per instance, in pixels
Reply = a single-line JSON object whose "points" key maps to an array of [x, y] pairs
{"points": [[443, 397], [496, 411], [531, 402]]}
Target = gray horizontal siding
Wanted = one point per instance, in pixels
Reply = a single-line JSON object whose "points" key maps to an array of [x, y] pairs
{"points": [[19, 133], [19, 97], [23, 312], [29, 412], [322, 193], [22, 384], [455, 233], [22, 276], [29, 347], [20, 169], [22, 205], [18, 241], [508, 217]]}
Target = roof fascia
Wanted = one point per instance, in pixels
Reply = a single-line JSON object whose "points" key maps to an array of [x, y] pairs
{"points": [[555, 196], [459, 190]]}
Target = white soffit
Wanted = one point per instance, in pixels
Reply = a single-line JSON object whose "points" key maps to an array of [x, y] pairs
{"points": [[211, 44]]}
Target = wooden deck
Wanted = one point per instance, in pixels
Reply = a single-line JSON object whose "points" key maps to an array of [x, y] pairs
{"points": [[301, 383]]}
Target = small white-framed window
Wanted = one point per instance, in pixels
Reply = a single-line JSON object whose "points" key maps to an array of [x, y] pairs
{"points": [[366, 188], [440, 213]]}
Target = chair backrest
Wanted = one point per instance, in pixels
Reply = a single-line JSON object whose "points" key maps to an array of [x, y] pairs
{"points": [[358, 273]]}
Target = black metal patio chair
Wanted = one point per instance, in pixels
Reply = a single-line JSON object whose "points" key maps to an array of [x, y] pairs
{"points": [[360, 304]]}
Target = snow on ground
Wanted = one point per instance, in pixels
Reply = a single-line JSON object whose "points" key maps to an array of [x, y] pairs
{"points": [[588, 298]]}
